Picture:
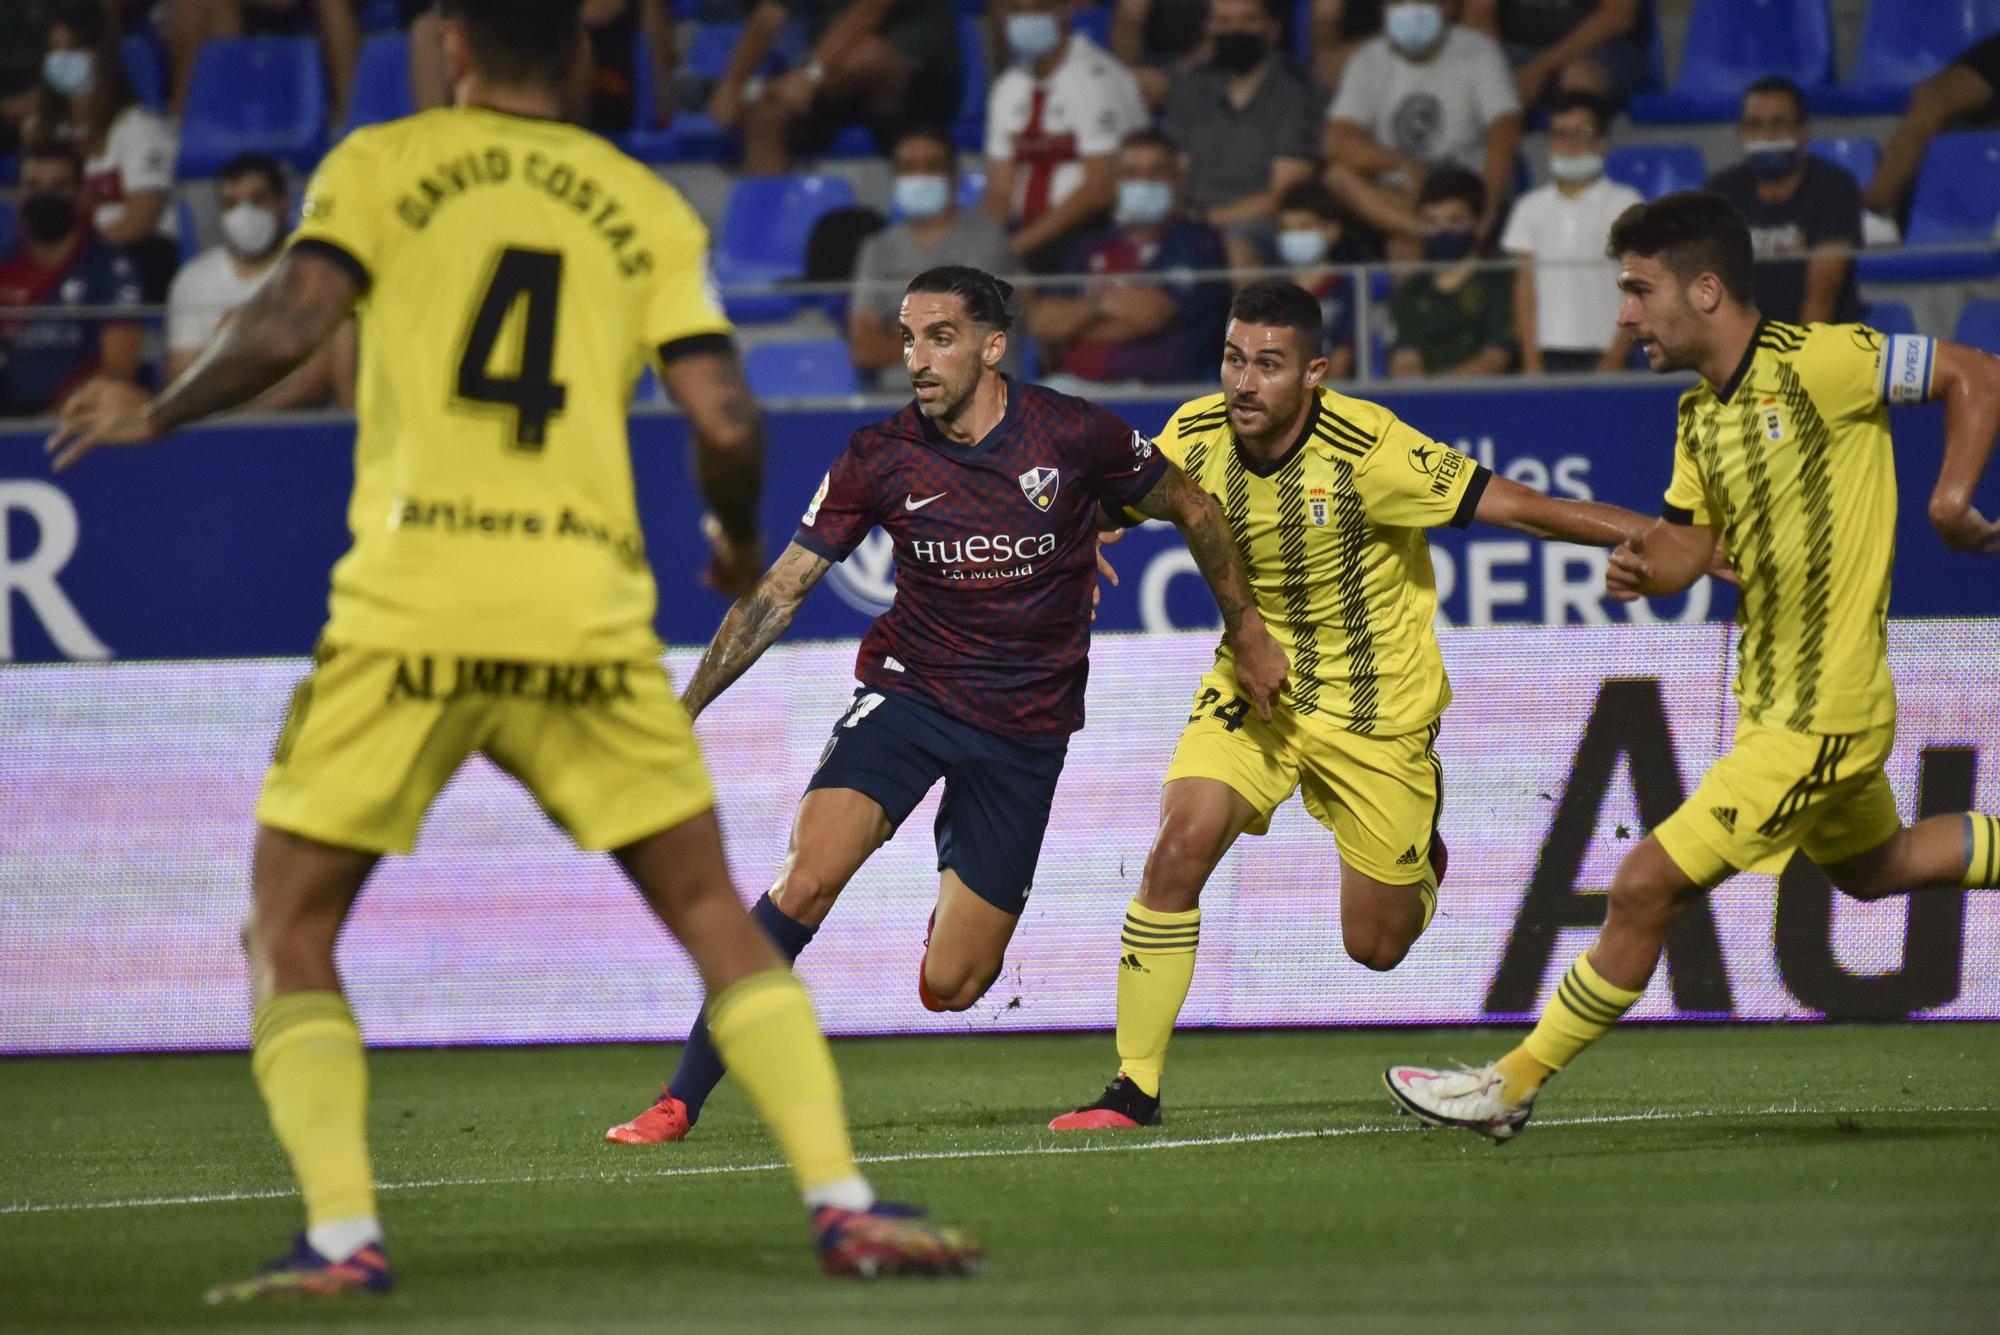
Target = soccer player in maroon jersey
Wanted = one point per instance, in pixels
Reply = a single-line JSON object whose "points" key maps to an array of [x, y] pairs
{"points": [[975, 675]]}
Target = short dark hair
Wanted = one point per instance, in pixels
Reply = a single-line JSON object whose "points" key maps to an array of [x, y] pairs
{"points": [[1311, 197], [1582, 99], [520, 42], [255, 164], [1453, 182], [1779, 84], [1273, 301], [985, 296], [1148, 137], [51, 150], [937, 134], [1691, 232]]}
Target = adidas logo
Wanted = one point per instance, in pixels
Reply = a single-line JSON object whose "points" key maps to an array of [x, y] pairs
{"points": [[1725, 817], [1410, 858], [1131, 961]]}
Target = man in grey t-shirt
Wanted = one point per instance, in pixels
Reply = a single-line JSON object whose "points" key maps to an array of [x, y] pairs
{"points": [[933, 231], [1428, 91]]}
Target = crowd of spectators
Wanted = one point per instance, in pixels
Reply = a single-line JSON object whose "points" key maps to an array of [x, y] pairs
{"points": [[1136, 164]]}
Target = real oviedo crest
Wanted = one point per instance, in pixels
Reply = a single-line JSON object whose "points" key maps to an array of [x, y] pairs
{"points": [[1316, 504], [1040, 485]]}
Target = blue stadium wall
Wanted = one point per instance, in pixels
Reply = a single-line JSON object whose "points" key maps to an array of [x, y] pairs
{"points": [[126, 787]]}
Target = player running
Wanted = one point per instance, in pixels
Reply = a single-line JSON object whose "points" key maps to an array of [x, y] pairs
{"points": [[497, 598], [991, 491], [1328, 497], [1784, 453]]}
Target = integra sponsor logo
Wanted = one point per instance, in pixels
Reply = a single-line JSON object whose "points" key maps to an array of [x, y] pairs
{"points": [[983, 549]]}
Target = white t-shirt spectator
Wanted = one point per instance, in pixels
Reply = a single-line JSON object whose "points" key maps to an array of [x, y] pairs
{"points": [[205, 292], [1084, 109], [1436, 111], [1576, 287], [138, 155]]}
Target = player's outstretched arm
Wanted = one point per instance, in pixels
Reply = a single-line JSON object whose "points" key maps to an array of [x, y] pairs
{"points": [[754, 625], [1968, 381], [1508, 504], [727, 432], [301, 305], [1664, 559], [1260, 663]]}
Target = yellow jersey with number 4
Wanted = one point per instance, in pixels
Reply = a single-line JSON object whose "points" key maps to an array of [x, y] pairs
{"points": [[515, 274]]}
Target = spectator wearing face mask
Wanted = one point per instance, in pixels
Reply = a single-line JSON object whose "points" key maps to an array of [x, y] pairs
{"points": [[1457, 321], [1429, 91], [1167, 330], [1566, 291], [1312, 239], [1804, 212], [933, 231], [254, 207], [1249, 123], [57, 266], [87, 103], [1054, 120]]}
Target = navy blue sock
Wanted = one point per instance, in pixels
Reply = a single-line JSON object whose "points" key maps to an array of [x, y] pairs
{"points": [[700, 1070]]}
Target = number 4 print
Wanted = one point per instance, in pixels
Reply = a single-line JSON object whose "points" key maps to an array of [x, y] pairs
{"points": [[533, 276]]}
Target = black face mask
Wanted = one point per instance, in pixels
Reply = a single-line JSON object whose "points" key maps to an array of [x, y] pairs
{"points": [[1239, 52], [48, 218]]}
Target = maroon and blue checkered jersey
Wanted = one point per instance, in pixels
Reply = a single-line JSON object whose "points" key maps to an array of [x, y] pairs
{"points": [[995, 549]]}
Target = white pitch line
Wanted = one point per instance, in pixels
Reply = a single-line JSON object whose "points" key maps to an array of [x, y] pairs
{"points": [[1038, 1150]]}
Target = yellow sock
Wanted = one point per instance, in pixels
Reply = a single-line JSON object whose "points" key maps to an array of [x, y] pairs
{"points": [[763, 1026], [1583, 1010], [306, 1056], [1982, 869], [1155, 968]]}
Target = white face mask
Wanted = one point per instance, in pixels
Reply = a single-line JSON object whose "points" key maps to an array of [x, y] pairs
{"points": [[1413, 27], [1301, 246], [1032, 36], [250, 230], [1576, 166], [1143, 203], [921, 197]]}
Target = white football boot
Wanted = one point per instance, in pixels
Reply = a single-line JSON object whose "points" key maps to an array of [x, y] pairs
{"points": [[1467, 1098]]}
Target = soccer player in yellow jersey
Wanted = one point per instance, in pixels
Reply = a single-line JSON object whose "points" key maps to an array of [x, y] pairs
{"points": [[1783, 452], [1328, 498], [511, 274]]}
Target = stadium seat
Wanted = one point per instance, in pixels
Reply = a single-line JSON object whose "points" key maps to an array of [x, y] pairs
{"points": [[1890, 317], [814, 368], [1657, 169], [1957, 201], [189, 236], [265, 94], [378, 16], [8, 230], [1904, 42], [1979, 325], [971, 189], [1858, 153], [974, 82], [763, 237], [1733, 43], [142, 66], [1094, 23], [381, 82]]}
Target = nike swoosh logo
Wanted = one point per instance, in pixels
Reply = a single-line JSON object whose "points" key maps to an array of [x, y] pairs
{"points": [[912, 503]]}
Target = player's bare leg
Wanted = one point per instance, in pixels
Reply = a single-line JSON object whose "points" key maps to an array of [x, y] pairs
{"points": [[1379, 922], [307, 1058], [1199, 820], [834, 832], [1958, 851], [762, 1024], [966, 947]]}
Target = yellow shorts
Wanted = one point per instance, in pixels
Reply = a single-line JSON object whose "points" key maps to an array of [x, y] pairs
{"points": [[1381, 796], [373, 735], [1777, 791]]}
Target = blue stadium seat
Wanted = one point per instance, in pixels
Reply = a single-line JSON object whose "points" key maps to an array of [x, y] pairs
{"points": [[1957, 200], [142, 66], [1094, 23], [254, 93], [813, 368], [378, 15], [8, 229], [189, 238], [1890, 317], [1904, 42], [1979, 325], [971, 189], [1733, 43], [381, 82], [1657, 169], [1858, 153], [763, 237], [974, 82]]}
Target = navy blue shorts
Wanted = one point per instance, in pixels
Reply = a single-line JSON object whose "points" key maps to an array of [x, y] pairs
{"points": [[997, 793]]}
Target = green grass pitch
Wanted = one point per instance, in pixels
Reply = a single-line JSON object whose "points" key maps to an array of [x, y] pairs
{"points": [[1768, 1179]]}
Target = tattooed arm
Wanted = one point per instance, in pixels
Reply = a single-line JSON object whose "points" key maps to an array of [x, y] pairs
{"points": [[1260, 663], [754, 625], [705, 377]]}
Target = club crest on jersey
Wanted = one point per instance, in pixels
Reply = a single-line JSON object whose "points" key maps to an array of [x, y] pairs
{"points": [[1316, 506], [1774, 424], [1040, 485]]}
